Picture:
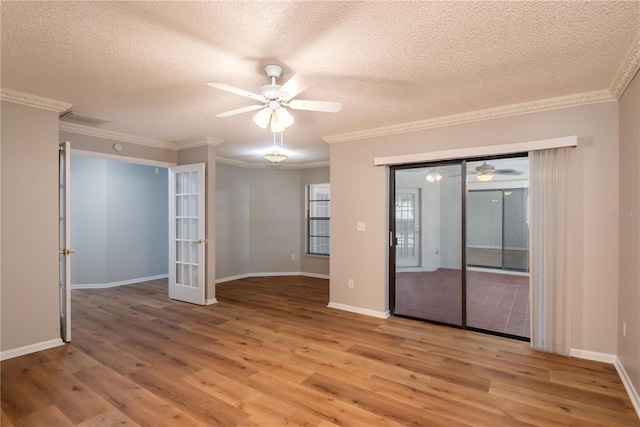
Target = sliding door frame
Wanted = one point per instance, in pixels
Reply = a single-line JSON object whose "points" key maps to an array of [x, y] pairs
{"points": [[463, 194]]}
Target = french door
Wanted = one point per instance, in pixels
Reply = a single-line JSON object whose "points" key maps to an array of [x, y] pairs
{"points": [[472, 271], [64, 233], [187, 233]]}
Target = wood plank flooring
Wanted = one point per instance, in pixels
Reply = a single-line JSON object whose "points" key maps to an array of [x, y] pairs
{"points": [[271, 353]]}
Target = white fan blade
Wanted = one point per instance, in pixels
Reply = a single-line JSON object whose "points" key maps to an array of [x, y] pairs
{"points": [[237, 91], [294, 86], [262, 118], [239, 111], [324, 106]]}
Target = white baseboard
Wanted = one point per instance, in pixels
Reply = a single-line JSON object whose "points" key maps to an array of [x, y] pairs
{"points": [[210, 301], [120, 283], [615, 361], [628, 385], [272, 274], [360, 310], [31, 348], [593, 355]]}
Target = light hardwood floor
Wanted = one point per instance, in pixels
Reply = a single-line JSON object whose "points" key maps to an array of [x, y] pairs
{"points": [[271, 353]]}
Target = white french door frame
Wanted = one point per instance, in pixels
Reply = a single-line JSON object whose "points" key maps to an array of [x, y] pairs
{"points": [[187, 238], [64, 237]]}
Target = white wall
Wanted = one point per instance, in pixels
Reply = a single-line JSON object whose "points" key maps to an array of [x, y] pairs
{"points": [[119, 222], [359, 193], [29, 285]]}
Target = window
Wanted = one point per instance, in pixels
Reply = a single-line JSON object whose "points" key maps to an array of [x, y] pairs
{"points": [[318, 213]]}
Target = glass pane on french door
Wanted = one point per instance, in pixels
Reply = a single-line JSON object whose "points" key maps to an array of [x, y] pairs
{"points": [[428, 218]]}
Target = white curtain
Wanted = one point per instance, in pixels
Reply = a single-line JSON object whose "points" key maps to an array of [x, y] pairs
{"points": [[550, 243]]}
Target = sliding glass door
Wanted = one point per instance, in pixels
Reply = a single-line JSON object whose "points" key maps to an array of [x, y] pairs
{"points": [[431, 287], [464, 225]]}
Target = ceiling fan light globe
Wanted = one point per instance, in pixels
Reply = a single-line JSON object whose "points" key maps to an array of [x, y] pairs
{"points": [[276, 126], [484, 177], [284, 117], [262, 118], [433, 177]]}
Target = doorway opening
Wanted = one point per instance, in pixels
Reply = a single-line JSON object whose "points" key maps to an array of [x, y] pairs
{"points": [[460, 249]]}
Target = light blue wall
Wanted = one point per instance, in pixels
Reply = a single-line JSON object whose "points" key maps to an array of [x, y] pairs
{"points": [[119, 221]]}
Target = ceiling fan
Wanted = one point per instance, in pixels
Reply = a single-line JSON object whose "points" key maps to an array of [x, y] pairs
{"points": [[486, 171], [274, 98]]}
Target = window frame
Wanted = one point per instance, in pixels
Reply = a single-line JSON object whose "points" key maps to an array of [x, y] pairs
{"points": [[310, 219]]}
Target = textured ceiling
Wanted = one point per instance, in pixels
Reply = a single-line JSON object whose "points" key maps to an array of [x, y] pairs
{"points": [[144, 65]]}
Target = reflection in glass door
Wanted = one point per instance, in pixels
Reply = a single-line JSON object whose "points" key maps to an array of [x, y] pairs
{"points": [[472, 270], [407, 227], [432, 288], [497, 279]]}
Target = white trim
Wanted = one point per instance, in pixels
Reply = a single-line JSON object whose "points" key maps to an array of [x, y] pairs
{"points": [[627, 70], [198, 142], [489, 150], [120, 283], [316, 275], [232, 278], [119, 158], [628, 385], [266, 165], [617, 363], [478, 115], [271, 274], [210, 301], [360, 310], [31, 348], [117, 136], [592, 355], [33, 101]]}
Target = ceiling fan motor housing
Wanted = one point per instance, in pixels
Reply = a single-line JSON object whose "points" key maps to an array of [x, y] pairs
{"points": [[269, 91]]}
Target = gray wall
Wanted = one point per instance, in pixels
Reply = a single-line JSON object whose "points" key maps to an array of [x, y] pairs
{"points": [[274, 209], [260, 221], [629, 296], [105, 146], [359, 194], [233, 186], [29, 277], [119, 222]]}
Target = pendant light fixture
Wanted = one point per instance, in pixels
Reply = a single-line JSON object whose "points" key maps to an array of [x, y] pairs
{"points": [[276, 154]]}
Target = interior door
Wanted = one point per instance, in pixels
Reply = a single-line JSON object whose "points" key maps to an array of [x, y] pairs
{"points": [[187, 233], [407, 227], [64, 232]]}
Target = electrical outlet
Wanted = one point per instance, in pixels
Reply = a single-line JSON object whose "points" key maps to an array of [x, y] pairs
{"points": [[293, 257], [360, 226], [351, 283], [624, 329]]}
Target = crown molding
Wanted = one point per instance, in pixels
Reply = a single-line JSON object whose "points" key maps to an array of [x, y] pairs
{"points": [[249, 165], [478, 115], [117, 136], [33, 100], [198, 142], [628, 69]]}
